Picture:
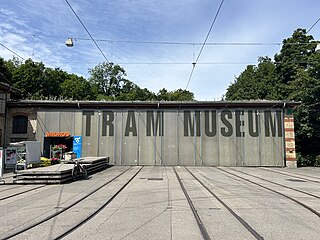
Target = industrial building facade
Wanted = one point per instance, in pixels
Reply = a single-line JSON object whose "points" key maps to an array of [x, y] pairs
{"points": [[248, 133]]}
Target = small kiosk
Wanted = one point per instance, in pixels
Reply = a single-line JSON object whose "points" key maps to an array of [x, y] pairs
{"points": [[56, 144], [22, 154]]}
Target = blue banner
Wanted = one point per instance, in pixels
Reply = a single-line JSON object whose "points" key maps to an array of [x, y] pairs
{"points": [[77, 145]]}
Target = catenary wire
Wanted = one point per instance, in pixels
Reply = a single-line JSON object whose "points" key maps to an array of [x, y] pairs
{"points": [[204, 43], [174, 43], [313, 25], [87, 31], [12, 51], [164, 63], [188, 63], [187, 43]]}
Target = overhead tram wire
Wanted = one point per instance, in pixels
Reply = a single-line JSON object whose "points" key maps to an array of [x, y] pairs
{"points": [[313, 25], [187, 43], [188, 63], [204, 43], [12, 51], [87, 32], [174, 43]]}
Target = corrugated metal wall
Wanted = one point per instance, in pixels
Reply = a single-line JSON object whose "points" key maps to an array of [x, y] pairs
{"points": [[247, 137]]}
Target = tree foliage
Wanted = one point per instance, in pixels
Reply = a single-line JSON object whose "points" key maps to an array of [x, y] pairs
{"points": [[28, 78], [255, 82], [5, 74], [107, 81], [76, 88], [293, 75], [176, 95]]}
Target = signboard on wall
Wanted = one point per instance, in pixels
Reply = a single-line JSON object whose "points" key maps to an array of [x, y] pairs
{"points": [[57, 134], [1, 162], [11, 155], [77, 145]]}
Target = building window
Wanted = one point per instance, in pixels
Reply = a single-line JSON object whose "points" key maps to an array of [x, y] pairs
{"points": [[20, 124]]}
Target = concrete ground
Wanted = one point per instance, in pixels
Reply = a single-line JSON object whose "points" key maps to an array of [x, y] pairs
{"points": [[275, 203]]}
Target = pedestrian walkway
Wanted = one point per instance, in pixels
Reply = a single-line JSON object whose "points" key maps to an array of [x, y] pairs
{"points": [[135, 202]]}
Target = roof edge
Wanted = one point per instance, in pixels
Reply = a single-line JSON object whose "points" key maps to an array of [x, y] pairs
{"points": [[152, 104]]}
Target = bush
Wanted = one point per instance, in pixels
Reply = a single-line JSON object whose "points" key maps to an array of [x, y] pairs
{"points": [[317, 162], [45, 162], [308, 160]]}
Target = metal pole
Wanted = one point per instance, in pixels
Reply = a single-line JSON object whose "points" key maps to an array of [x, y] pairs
{"points": [[218, 134], [178, 146], [121, 138], [195, 138], [201, 135], [259, 134], [155, 114], [1, 164], [138, 157], [283, 142], [161, 143], [4, 135], [98, 145], [115, 141]]}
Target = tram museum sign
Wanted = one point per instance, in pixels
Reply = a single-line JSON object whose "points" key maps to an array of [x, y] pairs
{"points": [[195, 123]]}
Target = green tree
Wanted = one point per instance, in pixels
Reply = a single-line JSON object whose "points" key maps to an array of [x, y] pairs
{"points": [[137, 94], [181, 95], [255, 82], [176, 95], [242, 87], [28, 78], [306, 88], [5, 73], [51, 82], [108, 79], [298, 68], [294, 55], [294, 75], [163, 95], [77, 88]]}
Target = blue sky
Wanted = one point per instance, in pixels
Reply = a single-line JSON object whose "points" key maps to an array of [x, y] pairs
{"points": [[38, 30]]}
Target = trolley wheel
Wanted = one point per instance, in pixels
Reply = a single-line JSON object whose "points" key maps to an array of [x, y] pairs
{"points": [[75, 172], [84, 173]]}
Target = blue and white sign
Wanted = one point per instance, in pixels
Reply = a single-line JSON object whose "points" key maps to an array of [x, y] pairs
{"points": [[77, 145]]}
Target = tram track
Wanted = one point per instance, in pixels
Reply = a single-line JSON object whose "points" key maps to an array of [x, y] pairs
{"points": [[70, 206], [202, 228], [61, 236], [291, 175], [278, 184], [245, 224], [272, 190], [10, 188], [20, 193]]}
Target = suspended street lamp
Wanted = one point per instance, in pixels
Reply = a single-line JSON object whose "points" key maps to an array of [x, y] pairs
{"points": [[69, 42]]}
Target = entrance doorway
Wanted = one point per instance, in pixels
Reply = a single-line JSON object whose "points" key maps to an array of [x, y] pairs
{"points": [[50, 142]]}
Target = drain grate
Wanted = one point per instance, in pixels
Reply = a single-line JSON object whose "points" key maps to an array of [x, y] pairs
{"points": [[155, 179], [295, 180]]}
